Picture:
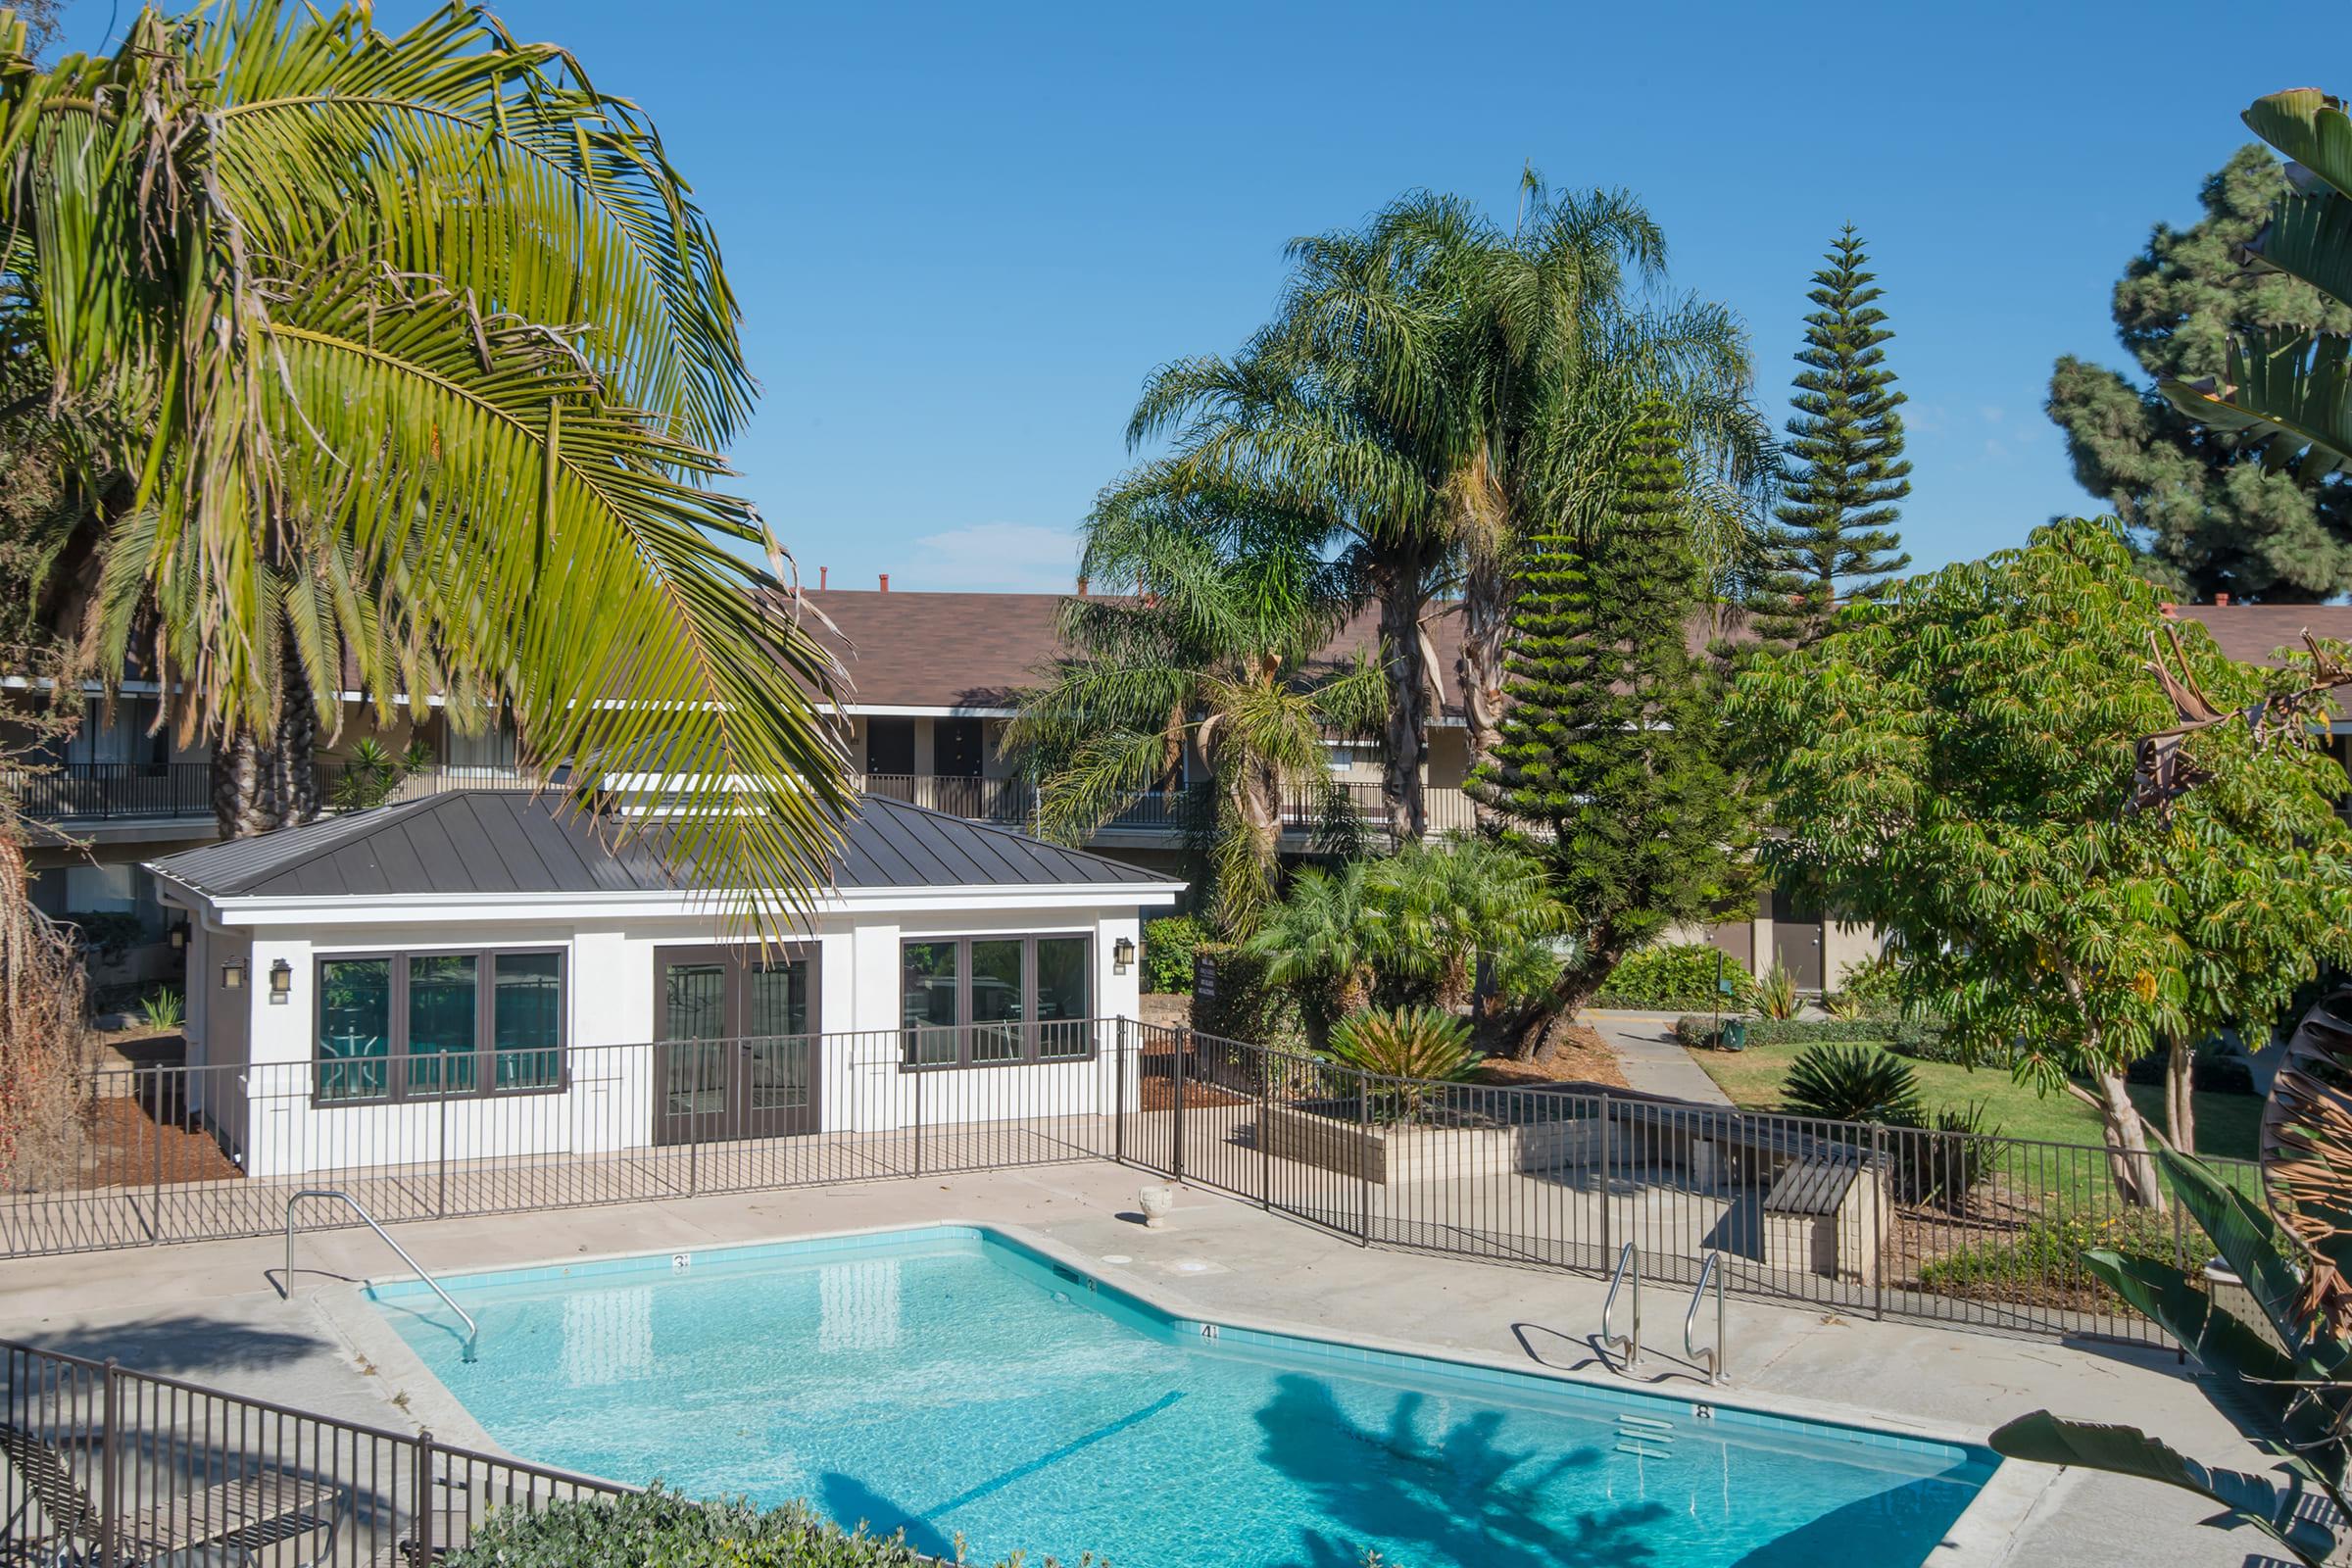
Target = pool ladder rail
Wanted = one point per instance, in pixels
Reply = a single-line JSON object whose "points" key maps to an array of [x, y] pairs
{"points": [[1627, 1345], [473, 1332], [1710, 1357]]}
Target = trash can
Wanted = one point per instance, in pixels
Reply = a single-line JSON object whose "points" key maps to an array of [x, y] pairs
{"points": [[1734, 1036]]}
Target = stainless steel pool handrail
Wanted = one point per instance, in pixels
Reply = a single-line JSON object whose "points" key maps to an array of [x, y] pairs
{"points": [[1713, 1355], [1629, 1267], [473, 1332]]}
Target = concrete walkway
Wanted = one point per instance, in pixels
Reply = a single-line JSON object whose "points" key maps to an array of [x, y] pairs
{"points": [[208, 1312], [1652, 1060]]}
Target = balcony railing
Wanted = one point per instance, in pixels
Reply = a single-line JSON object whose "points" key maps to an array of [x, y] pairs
{"points": [[98, 792]]}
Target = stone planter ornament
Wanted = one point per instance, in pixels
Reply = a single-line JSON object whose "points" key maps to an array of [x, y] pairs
{"points": [[1156, 1203]]}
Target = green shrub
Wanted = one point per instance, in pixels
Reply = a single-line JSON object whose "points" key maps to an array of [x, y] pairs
{"points": [[1244, 1004], [1676, 975], [105, 935], [2046, 1256], [1775, 994], [1945, 1161], [1168, 945], [1852, 1083], [1921, 1040], [661, 1529]]}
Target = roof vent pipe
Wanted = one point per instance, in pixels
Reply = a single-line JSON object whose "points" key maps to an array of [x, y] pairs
{"points": [[2222, 601], [1081, 587], [822, 574], [886, 582]]}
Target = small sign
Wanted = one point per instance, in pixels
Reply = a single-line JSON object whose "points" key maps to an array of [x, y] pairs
{"points": [[1205, 977]]}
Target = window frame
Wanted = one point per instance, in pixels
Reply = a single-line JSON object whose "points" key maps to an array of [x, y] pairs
{"points": [[965, 1029], [399, 1089]]}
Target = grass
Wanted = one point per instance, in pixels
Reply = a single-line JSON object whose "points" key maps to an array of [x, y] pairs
{"points": [[2227, 1124]]}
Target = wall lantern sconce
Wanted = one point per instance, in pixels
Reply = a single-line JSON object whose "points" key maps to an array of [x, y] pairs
{"points": [[281, 982], [232, 975], [1122, 955], [180, 936]]}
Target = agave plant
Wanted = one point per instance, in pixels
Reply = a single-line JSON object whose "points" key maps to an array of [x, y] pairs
{"points": [[2295, 1368], [1776, 994]]}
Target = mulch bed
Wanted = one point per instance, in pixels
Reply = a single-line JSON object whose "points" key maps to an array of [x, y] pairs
{"points": [[1577, 1056], [127, 1145]]}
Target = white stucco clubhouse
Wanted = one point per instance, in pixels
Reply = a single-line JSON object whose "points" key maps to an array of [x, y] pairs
{"points": [[483, 975]]}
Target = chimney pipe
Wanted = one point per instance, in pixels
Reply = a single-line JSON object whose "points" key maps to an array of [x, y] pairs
{"points": [[821, 572], [2222, 601], [2169, 609], [886, 582], [1081, 587]]}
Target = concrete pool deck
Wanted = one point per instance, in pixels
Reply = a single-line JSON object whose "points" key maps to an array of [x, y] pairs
{"points": [[209, 1312]]}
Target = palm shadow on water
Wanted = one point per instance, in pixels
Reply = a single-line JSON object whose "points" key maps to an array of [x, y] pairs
{"points": [[1424, 1498], [848, 1502]]}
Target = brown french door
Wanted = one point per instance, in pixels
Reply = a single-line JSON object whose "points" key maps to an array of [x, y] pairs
{"points": [[739, 1048]]}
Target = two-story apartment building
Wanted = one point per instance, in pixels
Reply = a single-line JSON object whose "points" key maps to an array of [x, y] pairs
{"points": [[933, 683]]}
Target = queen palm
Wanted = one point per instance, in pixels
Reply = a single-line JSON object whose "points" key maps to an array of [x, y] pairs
{"points": [[1210, 642], [1432, 387], [420, 352]]}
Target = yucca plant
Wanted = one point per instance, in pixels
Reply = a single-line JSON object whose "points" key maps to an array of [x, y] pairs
{"points": [[163, 1008], [1852, 1083], [418, 357], [2294, 1258], [1776, 994], [1417, 1044]]}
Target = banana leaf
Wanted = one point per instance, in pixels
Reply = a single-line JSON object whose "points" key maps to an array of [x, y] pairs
{"points": [[2310, 127], [2044, 1439]]}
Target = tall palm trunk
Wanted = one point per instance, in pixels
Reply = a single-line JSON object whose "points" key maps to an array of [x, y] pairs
{"points": [[265, 782], [1405, 731], [1478, 666]]}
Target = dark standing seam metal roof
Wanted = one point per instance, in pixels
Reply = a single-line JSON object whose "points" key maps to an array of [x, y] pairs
{"points": [[511, 841]]}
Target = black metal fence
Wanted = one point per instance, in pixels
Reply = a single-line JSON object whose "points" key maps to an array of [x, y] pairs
{"points": [[110, 1467], [1946, 1226]]}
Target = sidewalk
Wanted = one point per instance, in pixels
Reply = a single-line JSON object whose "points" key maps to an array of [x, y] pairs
{"points": [[1653, 1061]]}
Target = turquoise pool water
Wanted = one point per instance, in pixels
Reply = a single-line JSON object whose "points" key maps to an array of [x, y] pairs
{"points": [[950, 1381]]}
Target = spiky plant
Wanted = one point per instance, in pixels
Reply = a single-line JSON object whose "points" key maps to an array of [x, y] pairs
{"points": [[419, 356], [1852, 1083], [1404, 1052], [1776, 994]]}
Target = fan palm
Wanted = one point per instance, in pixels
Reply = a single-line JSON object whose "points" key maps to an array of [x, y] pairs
{"points": [[1447, 907], [1211, 641], [422, 353], [1322, 942]]}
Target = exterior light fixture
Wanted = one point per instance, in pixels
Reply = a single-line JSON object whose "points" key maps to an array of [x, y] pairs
{"points": [[178, 935], [1122, 955], [281, 982], [232, 975]]}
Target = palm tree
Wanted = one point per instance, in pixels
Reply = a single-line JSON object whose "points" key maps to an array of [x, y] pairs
{"points": [[1323, 943], [422, 355], [1210, 641], [1432, 389], [1444, 907]]}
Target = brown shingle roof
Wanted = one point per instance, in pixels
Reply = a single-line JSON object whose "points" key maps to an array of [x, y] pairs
{"points": [[926, 650]]}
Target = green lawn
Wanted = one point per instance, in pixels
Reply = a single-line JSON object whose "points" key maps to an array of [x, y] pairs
{"points": [[2226, 1123]]}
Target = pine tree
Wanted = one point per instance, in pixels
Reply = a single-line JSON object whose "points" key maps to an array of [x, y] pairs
{"points": [[1608, 770], [2210, 514], [1835, 536]]}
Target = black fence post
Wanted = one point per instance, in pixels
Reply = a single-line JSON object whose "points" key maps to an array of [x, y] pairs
{"points": [[1184, 1047], [441, 1181], [1121, 1062], [1265, 1144], [1363, 1154], [110, 1468], [1609, 1253], [155, 1124], [420, 1548], [1881, 1185], [919, 1076]]}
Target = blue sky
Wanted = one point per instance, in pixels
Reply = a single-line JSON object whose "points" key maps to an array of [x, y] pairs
{"points": [[963, 234]]}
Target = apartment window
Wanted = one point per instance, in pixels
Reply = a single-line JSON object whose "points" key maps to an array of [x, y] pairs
{"points": [[431, 1025], [982, 1002]]}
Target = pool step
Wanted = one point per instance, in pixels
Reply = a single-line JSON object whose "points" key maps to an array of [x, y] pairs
{"points": [[1645, 1437]]}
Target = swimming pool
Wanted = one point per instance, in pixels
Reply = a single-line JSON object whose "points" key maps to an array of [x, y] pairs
{"points": [[955, 1382]]}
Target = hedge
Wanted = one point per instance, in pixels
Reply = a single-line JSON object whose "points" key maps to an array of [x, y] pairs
{"points": [[665, 1528], [1919, 1040], [1243, 1004], [1676, 975], [1168, 946]]}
